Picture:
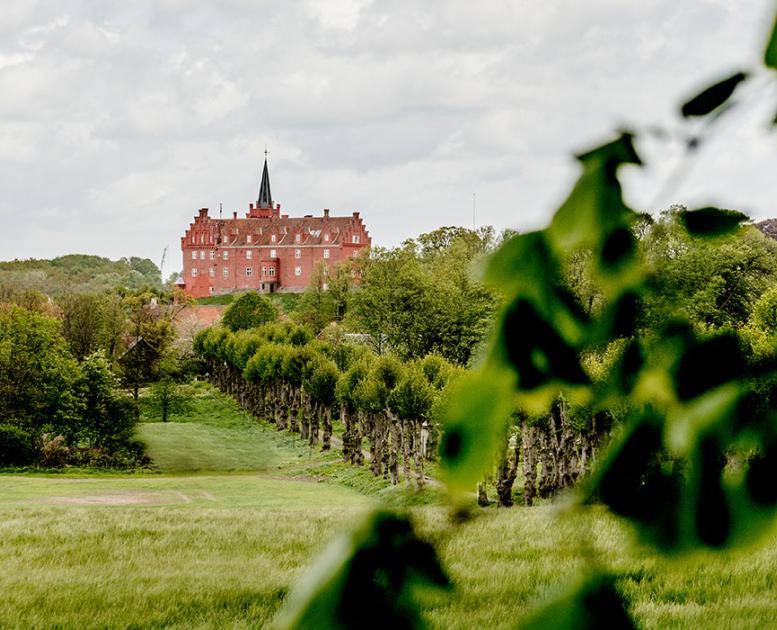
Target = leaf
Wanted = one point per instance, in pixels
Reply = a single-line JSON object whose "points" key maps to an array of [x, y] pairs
{"points": [[593, 604], [370, 575], [770, 54], [709, 99], [476, 411], [711, 221], [594, 208]]}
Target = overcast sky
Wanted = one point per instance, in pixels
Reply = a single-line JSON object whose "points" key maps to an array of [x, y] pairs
{"points": [[119, 119]]}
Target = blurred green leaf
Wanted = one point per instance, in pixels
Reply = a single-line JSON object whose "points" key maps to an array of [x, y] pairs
{"points": [[594, 604], [709, 99], [711, 221], [770, 54], [478, 408], [366, 579]]}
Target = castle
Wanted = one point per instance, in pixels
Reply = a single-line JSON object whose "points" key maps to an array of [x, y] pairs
{"points": [[265, 251]]}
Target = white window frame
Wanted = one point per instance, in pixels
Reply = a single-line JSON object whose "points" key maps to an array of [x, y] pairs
{"points": [[297, 271], [326, 253], [194, 254], [225, 255], [194, 272], [212, 272], [297, 253], [249, 254], [225, 272], [326, 237], [273, 253], [249, 272], [211, 290], [271, 271], [355, 239], [298, 238], [272, 238], [249, 238], [211, 255]]}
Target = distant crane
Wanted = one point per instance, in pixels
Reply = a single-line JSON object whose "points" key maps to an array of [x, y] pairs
{"points": [[162, 264]]}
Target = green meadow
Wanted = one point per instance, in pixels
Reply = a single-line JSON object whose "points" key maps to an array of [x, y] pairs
{"points": [[233, 511]]}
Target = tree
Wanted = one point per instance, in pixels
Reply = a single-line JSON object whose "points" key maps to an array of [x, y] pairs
{"points": [[168, 398], [250, 310]]}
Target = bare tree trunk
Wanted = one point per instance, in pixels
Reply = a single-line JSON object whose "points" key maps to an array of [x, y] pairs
{"points": [[327, 437], [507, 471], [393, 451], [529, 463], [406, 432], [482, 496]]}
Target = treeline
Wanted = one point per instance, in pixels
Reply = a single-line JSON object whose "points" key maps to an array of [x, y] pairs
{"points": [[78, 273], [71, 369], [412, 300], [283, 375]]}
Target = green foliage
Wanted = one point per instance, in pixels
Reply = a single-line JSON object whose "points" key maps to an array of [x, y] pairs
{"points": [[17, 446], [250, 310], [712, 97], [369, 577], [79, 273]]}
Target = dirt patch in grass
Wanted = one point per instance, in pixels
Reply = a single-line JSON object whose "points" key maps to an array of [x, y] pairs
{"points": [[124, 498]]}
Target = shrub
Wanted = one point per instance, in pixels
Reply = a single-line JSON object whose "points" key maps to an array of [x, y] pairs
{"points": [[16, 446]]}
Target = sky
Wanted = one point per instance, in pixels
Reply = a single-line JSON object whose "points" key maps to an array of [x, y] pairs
{"points": [[118, 120]]}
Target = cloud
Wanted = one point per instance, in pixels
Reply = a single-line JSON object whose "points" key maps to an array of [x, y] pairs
{"points": [[118, 120]]}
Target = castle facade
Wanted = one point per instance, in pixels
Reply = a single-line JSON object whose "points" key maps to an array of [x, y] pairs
{"points": [[265, 250]]}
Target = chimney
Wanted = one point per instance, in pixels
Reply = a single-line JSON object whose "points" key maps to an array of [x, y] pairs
{"points": [[326, 212], [251, 206], [355, 215], [234, 215], [203, 212]]}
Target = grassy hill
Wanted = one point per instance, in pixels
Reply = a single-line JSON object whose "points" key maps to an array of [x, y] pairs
{"points": [[237, 510], [78, 272]]}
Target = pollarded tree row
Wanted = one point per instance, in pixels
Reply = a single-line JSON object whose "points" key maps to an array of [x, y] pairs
{"points": [[280, 374]]}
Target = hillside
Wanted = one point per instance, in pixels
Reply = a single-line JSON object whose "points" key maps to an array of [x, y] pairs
{"points": [[78, 272]]}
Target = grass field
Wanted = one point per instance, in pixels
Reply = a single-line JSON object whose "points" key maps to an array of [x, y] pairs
{"points": [[217, 542]]}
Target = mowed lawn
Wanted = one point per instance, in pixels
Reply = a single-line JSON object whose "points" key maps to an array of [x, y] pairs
{"points": [[219, 549]]}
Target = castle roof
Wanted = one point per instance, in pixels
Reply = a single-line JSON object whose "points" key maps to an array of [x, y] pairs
{"points": [[265, 196]]}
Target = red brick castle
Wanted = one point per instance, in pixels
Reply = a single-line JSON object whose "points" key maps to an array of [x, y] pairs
{"points": [[265, 251]]}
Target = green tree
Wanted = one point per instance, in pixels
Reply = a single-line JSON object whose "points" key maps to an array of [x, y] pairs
{"points": [[250, 310]]}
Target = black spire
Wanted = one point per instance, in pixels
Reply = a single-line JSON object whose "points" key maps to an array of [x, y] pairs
{"points": [[265, 196]]}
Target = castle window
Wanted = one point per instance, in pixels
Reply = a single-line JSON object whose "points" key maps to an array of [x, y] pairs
{"points": [[212, 272], [202, 254], [211, 290], [273, 253], [326, 253], [225, 272], [297, 253], [355, 239], [225, 255], [271, 271], [249, 272], [212, 255], [202, 238], [194, 255], [326, 237], [249, 238], [264, 271], [297, 271], [272, 238], [325, 286], [354, 255], [297, 238], [249, 254], [194, 272]]}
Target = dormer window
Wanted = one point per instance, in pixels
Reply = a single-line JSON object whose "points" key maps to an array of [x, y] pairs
{"points": [[326, 237], [297, 253], [273, 253], [249, 238], [355, 239], [272, 238], [297, 238], [249, 254]]}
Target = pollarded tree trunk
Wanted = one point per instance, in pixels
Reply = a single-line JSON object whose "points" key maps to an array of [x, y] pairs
{"points": [[507, 471], [406, 435], [327, 437], [418, 455], [529, 463], [395, 441], [304, 431], [345, 416], [314, 416]]}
